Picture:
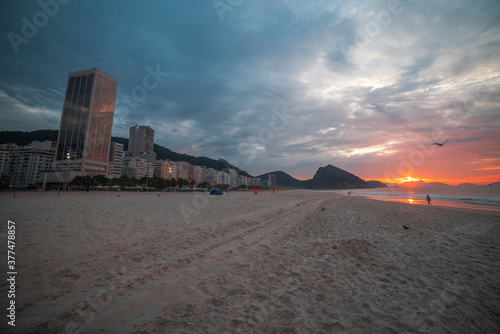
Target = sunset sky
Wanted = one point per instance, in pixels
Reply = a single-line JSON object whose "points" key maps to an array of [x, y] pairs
{"points": [[366, 86]]}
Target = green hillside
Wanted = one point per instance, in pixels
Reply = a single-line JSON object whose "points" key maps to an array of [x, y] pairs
{"points": [[284, 180], [22, 138], [331, 177]]}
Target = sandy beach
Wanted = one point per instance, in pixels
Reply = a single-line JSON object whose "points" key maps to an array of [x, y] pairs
{"points": [[290, 262]]}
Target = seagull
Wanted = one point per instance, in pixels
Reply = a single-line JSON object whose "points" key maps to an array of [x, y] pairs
{"points": [[438, 144], [406, 227]]}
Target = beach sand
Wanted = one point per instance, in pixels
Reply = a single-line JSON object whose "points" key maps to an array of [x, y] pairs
{"points": [[290, 262]]}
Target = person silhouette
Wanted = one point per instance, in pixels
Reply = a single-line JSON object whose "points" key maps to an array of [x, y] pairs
{"points": [[428, 200]]}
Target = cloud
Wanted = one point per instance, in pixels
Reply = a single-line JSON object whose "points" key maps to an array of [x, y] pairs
{"points": [[428, 68], [14, 112]]}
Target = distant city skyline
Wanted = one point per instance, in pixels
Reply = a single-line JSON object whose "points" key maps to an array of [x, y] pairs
{"points": [[281, 85]]}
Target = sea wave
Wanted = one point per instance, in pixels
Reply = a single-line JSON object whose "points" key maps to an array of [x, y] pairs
{"points": [[446, 197]]}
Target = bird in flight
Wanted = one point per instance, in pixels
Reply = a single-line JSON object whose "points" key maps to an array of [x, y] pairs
{"points": [[438, 144]]}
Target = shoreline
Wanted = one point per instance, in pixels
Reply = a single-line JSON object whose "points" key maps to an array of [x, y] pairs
{"points": [[419, 199], [293, 261], [411, 200]]}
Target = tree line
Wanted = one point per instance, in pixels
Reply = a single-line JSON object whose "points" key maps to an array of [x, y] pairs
{"points": [[158, 183]]}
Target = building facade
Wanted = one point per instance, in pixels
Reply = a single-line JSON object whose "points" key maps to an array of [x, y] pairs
{"points": [[141, 142], [115, 160], [182, 170], [198, 174], [84, 137], [165, 169], [143, 167], [272, 181], [26, 166], [4, 152]]}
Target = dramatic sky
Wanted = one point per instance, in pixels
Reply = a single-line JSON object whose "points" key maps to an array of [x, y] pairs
{"points": [[366, 86]]}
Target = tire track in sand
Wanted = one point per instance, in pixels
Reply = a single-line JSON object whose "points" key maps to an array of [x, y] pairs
{"points": [[149, 289]]}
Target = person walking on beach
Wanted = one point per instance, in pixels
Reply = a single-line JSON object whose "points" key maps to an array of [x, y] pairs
{"points": [[428, 200]]}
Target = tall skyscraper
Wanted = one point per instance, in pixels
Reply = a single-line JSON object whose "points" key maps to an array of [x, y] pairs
{"points": [[141, 142], [86, 122]]}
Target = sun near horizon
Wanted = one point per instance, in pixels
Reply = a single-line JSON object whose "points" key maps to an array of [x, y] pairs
{"points": [[452, 182], [484, 180]]}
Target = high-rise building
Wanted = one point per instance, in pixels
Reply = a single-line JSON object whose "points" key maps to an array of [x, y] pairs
{"points": [[4, 152], [182, 170], [86, 122], [25, 166], [198, 174], [141, 142], [115, 160]]}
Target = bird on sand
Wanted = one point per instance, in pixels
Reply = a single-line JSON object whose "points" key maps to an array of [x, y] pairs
{"points": [[406, 227], [438, 144]]}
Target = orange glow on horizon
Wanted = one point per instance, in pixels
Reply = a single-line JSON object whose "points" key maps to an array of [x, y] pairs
{"points": [[402, 180], [478, 180], [485, 180]]}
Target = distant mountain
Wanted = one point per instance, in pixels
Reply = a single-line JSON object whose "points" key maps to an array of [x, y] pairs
{"points": [[495, 184], [437, 184], [284, 180], [376, 184], [421, 183], [331, 177], [23, 138], [418, 183]]}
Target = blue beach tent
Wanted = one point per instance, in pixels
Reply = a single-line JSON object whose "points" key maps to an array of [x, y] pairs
{"points": [[216, 191]]}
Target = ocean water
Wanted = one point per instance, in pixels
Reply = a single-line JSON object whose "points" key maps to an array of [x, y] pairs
{"points": [[464, 196]]}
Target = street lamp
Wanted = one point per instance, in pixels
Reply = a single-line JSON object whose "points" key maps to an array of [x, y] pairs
{"points": [[68, 156], [147, 175]]}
